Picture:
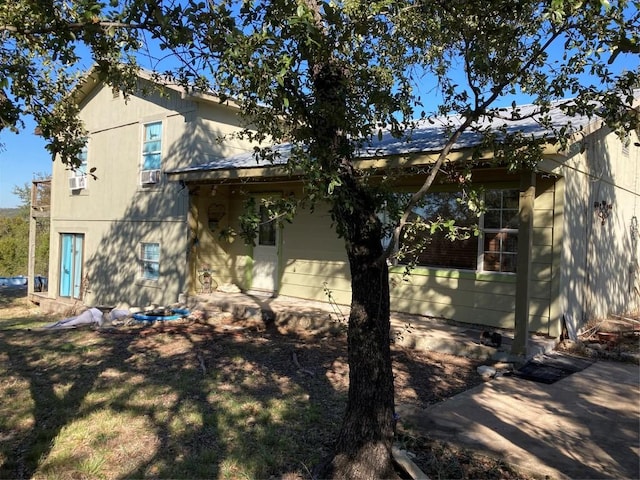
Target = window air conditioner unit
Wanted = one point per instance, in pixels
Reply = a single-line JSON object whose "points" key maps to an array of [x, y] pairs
{"points": [[148, 177], [77, 183]]}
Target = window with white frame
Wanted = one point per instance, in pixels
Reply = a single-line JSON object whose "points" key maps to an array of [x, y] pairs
{"points": [[78, 177], [500, 230], [150, 261], [494, 249], [152, 146]]}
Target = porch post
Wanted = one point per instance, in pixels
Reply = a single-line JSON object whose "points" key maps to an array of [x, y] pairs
{"points": [[31, 266], [194, 233], [523, 266]]}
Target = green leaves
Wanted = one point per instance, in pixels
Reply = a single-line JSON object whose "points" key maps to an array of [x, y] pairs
{"points": [[329, 77], [41, 62], [258, 212]]}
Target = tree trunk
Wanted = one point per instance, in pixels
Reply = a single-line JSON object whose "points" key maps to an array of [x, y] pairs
{"points": [[363, 449]]}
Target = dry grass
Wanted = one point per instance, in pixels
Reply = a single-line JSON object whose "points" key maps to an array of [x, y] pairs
{"points": [[189, 401]]}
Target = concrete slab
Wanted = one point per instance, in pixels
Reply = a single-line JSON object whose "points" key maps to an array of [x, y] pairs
{"points": [[585, 426]]}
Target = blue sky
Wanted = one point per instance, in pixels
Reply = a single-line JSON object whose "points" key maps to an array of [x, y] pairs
{"points": [[22, 157]]}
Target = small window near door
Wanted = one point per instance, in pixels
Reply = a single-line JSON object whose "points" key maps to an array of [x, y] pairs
{"points": [[267, 229], [150, 261]]}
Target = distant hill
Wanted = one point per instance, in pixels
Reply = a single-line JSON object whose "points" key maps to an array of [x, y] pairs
{"points": [[9, 212]]}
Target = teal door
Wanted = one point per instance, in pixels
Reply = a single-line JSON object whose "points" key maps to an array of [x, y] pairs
{"points": [[71, 264]]}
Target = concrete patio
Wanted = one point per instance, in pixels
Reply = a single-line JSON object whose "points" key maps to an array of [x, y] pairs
{"points": [[585, 426]]}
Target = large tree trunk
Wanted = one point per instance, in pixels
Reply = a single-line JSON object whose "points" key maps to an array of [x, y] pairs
{"points": [[363, 449]]}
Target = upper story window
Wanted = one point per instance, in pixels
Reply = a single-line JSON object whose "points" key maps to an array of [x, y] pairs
{"points": [[151, 153], [152, 146], [78, 177], [494, 249]]}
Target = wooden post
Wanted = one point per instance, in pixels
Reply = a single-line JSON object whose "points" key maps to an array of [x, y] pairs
{"points": [[525, 242], [31, 267]]}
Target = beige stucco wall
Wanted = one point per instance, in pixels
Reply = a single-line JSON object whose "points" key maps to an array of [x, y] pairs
{"points": [[115, 212], [599, 263]]}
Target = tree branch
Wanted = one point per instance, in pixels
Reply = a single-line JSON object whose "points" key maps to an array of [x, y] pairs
{"points": [[76, 26], [469, 117]]}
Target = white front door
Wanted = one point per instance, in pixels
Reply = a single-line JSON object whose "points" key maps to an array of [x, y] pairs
{"points": [[265, 255]]}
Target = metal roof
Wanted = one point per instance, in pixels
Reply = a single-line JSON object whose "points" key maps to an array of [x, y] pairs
{"points": [[428, 136]]}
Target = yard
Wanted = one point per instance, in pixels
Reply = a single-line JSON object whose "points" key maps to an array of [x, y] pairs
{"points": [[188, 400]]}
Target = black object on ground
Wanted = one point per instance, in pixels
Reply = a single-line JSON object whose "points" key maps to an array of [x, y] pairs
{"points": [[551, 367]]}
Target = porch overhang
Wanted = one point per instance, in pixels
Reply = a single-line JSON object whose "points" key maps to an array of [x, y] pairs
{"points": [[230, 171]]}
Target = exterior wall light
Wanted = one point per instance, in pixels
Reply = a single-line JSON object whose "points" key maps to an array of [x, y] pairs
{"points": [[603, 210]]}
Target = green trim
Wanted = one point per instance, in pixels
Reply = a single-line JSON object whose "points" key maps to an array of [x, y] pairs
{"points": [[453, 273]]}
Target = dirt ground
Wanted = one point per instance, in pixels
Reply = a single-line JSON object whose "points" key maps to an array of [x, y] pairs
{"points": [[421, 378]]}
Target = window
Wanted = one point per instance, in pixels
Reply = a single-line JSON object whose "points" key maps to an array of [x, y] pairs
{"points": [[440, 250], [267, 228], [83, 156], [78, 177], [500, 230], [152, 146], [150, 261], [495, 249]]}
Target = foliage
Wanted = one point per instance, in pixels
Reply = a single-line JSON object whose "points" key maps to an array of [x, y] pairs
{"points": [[14, 238], [331, 78], [14, 234], [42, 46], [9, 212], [257, 213], [339, 75]]}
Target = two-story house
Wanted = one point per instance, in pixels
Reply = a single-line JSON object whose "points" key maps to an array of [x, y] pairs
{"points": [[120, 234], [558, 245]]}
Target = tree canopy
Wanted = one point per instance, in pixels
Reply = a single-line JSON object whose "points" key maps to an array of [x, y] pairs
{"points": [[328, 77]]}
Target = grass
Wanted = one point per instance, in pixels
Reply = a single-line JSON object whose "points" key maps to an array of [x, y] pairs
{"points": [[187, 401], [85, 404]]}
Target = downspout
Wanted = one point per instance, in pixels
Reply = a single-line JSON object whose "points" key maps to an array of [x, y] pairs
{"points": [[523, 266]]}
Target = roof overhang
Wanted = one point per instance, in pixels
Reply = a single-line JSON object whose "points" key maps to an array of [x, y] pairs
{"points": [[277, 172], [93, 78]]}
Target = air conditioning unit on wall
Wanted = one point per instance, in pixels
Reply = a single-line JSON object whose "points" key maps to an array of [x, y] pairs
{"points": [[77, 183], [148, 177]]}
